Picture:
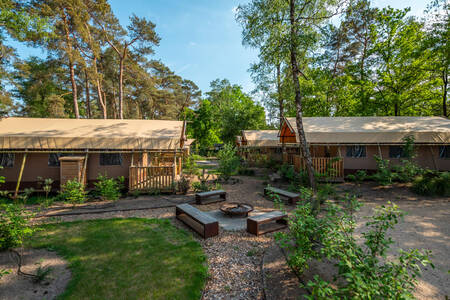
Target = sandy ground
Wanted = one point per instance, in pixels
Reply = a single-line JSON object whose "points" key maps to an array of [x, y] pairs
{"points": [[15, 287], [235, 258]]}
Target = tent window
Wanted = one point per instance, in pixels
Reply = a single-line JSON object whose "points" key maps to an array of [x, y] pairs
{"points": [[7, 160], [110, 159], [53, 158], [356, 151], [444, 151], [396, 152]]}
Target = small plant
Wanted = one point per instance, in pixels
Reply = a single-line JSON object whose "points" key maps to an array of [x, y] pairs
{"points": [[384, 174], [45, 184], [42, 274], [184, 185], [277, 202], [73, 192], [109, 188], [14, 228], [358, 177]]}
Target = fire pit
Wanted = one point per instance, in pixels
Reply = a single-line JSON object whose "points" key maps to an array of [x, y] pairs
{"points": [[235, 209]]}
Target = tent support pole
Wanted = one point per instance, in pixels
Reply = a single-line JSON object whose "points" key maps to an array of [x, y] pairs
{"points": [[19, 179], [83, 175], [379, 151]]}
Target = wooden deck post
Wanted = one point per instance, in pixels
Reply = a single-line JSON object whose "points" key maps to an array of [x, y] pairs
{"points": [[20, 174]]}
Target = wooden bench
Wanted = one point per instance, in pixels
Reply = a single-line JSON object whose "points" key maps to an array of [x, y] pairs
{"points": [[201, 197], [292, 197], [202, 223], [268, 222]]}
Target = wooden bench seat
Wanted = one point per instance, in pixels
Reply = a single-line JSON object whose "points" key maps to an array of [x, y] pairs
{"points": [[201, 197], [268, 222], [292, 197], [202, 223]]}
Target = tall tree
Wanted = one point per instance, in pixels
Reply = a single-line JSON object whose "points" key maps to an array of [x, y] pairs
{"points": [[437, 43], [294, 24], [141, 36]]}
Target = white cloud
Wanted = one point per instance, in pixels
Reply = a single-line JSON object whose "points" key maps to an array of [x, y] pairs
{"points": [[183, 68], [234, 10], [192, 44]]}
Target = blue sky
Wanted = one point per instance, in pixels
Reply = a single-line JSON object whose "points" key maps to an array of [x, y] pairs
{"points": [[200, 39]]}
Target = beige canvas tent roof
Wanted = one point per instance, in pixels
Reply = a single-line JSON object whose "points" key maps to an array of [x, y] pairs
{"points": [[39, 133], [374, 130], [261, 138]]}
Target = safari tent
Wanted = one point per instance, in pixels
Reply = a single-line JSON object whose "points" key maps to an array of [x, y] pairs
{"points": [[350, 143], [260, 142], [147, 153]]}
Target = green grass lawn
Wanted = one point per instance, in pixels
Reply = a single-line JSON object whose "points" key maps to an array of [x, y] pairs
{"points": [[126, 259]]}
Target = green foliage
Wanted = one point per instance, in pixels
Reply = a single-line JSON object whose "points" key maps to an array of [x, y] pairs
{"points": [[184, 185], [383, 174], [73, 192], [362, 271], [432, 183], [245, 171], [190, 167], [109, 188], [42, 274], [275, 198], [45, 184], [358, 177], [228, 161], [14, 225]]}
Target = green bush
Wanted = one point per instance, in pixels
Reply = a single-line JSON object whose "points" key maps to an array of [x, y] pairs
{"points": [[384, 174], [358, 177], [109, 188], [362, 270], [14, 226], [432, 183], [190, 167], [244, 171], [228, 161], [73, 192]]}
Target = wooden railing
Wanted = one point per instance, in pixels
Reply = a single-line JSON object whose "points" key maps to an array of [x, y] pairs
{"points": [[329, 167], [161, 178]]}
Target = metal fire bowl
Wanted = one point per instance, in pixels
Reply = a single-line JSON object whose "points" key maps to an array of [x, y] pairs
{"points": [[236, 209]]}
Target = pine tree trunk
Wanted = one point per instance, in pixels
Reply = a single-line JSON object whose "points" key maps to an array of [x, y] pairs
{"points": [[298, 98], [88, 98], [444, 97], [121, 88], [71, 66], [280, 97]]}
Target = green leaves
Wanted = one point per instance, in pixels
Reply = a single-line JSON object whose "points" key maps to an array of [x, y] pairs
{"points": [[14, 225], [362, 272]]}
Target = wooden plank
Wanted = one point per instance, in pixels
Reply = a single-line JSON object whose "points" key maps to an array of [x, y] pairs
{"points": [[276, 214], [282, 192], [198, 215], [211, 193]]}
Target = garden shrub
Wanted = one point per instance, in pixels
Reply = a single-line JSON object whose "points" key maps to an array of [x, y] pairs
{"points": [[362, 271], [242, 170], [383, 174], [73, 192], [14, 226], [109, 188], [432, 183], [358, 177], [184, 184], [228, 161], [190, 167]]}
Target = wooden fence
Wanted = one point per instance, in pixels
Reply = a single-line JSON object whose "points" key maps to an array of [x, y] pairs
{"points": [[330, 167], [160, 178]]}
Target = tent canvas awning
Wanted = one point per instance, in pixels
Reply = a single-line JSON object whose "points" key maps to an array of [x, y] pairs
{"points": [[373, 130], [44, 134]]}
